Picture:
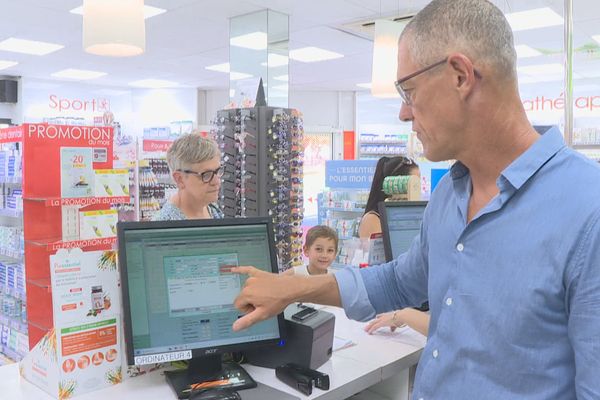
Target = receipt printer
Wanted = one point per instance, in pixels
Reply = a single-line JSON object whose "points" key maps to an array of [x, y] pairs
{"points": [[308, 340]]}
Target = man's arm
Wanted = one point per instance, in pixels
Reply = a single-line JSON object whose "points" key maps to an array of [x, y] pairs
{"points": [[583, 297], [265, 295]]}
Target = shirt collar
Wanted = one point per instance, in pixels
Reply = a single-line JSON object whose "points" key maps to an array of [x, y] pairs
{"points": [[527, 164], [523, 168]]}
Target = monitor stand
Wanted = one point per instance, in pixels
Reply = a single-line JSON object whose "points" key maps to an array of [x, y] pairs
{"points": [[208, 372]]}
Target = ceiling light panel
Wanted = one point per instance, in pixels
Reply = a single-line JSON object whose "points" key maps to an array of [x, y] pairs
{"points": [[149, 11], [153, 83], [313, 54], [7, 64], [253, 41], [534, 19], [78, 74], [524, 51], [218, 67], [29, 46]]}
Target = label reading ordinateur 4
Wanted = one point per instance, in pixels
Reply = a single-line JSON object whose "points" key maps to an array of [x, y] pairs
{"points": [[163, 357]]}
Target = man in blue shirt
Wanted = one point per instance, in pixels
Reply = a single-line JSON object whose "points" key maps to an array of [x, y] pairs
{"points": [[509, 249]]}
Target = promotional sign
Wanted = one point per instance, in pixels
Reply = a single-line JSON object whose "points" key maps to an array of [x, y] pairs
{"points": [[82, 352], [349, 174]]}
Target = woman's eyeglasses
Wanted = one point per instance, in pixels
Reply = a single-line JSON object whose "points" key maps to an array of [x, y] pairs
{"points": [[205, 176]]}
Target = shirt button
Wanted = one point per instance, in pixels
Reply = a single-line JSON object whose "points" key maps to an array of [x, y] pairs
{"points": [[435, 354], [460, 247], [449, 301]]}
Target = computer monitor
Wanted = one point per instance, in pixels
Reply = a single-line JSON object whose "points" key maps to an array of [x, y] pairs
{"points": [[400, 223], [178, 293]]}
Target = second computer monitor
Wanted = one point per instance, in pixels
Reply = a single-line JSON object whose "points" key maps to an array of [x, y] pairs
{"points": [[400, 223]]}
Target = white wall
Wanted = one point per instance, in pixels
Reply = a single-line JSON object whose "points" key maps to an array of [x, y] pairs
{"points": [[325, 108]]}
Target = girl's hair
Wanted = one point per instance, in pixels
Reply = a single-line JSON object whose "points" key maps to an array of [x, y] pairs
{"points": [[320, 231], [387, 166]]}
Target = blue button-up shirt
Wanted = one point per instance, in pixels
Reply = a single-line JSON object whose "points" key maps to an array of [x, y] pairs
{"points": [[514, 294]]}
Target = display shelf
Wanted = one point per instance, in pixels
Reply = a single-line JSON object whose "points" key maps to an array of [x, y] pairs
{"points": [[15, 255], [342, 209], [13, 323], [383, 153], [17, 294], [80, 201], [10, 353], [399, 142], [43, 283], [586, 146], [11, 179], [5, 360], [8, 212], [57, 244]]}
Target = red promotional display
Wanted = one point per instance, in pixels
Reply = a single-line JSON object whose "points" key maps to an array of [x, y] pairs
{"points": [[69, 232]]}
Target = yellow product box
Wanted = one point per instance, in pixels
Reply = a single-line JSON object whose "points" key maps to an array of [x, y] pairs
{"points": [[97, 224], [111, 182]]}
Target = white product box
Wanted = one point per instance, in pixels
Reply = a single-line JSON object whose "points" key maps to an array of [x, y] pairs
{"points": [[97, 224], [111, 182]]}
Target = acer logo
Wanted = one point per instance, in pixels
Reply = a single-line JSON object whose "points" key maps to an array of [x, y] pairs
{"points": [[210, 351]]}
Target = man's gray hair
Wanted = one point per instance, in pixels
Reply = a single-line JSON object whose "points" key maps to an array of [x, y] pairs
{"points": [[190, 149], [476, 28]]}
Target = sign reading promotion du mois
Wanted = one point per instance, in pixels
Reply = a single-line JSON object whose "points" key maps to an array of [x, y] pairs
{"points": [[349, 174]]}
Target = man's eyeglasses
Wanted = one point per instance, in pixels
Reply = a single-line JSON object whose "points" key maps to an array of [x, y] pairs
{"points": [[404, 94], [205, 176]]}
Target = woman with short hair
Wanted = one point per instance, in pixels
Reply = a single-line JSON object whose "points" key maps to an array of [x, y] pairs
{"points": [[195, 165]]}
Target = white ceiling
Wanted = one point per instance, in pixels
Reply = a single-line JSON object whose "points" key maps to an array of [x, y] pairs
{"points": [[193, 34]]}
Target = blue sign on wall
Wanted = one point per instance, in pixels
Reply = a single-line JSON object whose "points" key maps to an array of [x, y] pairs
{"points": [[349, 174]]}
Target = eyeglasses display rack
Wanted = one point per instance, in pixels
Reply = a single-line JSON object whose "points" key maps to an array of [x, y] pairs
{"points": [[262, 154]]}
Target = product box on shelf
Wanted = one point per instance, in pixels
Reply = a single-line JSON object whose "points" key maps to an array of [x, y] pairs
{"points": [[111, 182], [97, 224]]}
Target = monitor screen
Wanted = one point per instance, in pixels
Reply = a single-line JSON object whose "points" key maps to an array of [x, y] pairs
{"points": [[400, 223], [178, 288]]}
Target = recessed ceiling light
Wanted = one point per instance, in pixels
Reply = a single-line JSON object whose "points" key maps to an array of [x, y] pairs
{"points": [[364, 85], [253, 41], [276, 60], [149, 11], [79, 74], [7, 64], [524, 51], [313, 54], [153, 83], [29, 46], [218, 67], [285, 88], [234, 76], [533, 19], [283, 78]]}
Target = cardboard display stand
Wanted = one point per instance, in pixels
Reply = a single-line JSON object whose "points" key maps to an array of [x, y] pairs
{"points": [[72, 284]]}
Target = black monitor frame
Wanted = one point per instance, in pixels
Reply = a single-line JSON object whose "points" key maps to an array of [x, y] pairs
{"points": [[382, 207], [211, 356]]}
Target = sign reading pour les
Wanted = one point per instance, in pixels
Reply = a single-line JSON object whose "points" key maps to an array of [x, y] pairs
{"points": [[349, 174]]}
